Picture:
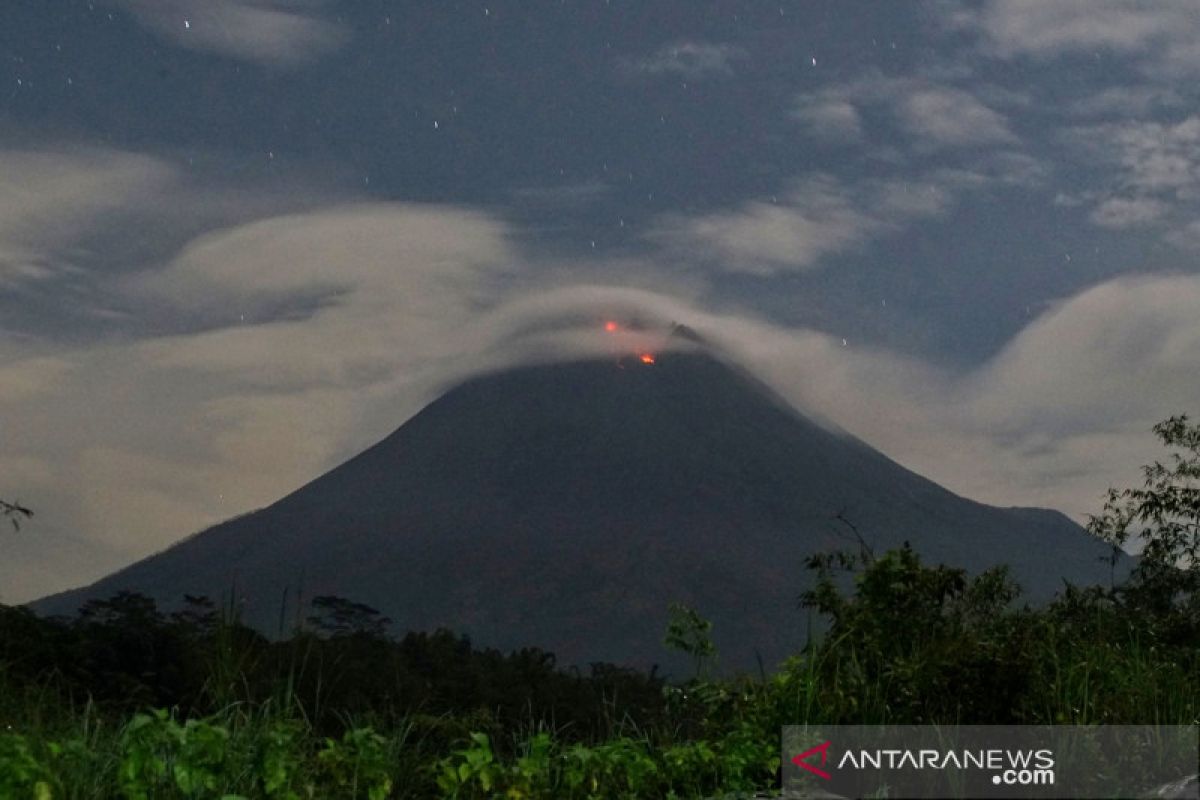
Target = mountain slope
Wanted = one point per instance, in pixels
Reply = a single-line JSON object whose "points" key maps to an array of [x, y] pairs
{"points": [[566, 506]]}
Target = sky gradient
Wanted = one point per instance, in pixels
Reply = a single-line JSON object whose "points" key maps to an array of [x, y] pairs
{"points": [[241, 240]]}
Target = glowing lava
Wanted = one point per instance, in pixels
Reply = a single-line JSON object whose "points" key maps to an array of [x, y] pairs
{"points": [[612, 326]]}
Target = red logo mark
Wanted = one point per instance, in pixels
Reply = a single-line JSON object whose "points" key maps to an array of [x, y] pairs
{"points": [[823, 749]]}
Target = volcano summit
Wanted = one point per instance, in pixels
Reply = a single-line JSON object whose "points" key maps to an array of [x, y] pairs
{"points": [[566, 506]]}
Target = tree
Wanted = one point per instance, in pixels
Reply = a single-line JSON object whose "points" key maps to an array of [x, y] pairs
{"points": [[337, 616], [899, 603], [690, 633], [914, 642], [1164, 514]]}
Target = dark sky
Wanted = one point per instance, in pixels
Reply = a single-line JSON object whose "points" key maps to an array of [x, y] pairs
{"points": [[242, 239]]}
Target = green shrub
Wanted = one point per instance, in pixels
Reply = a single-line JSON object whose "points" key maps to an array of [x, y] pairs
{"points": [[358, 762], [158, 755], [22, 774]]}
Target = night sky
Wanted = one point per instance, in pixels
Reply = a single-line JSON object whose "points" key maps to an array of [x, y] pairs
{"points": [[241, 240]]}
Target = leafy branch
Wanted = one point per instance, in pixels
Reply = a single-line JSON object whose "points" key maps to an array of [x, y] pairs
{"points": [[15, 513]]}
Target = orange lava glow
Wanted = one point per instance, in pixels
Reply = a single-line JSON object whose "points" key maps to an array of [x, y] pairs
{"points": [[610, 326], [647, 358]]}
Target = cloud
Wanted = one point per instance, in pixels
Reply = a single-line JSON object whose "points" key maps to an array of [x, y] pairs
{"points": [[997, 168], [580, 193], [75, 219], [1126, 102], [1162, 35], [1030, 26], [278, 33], [1155, 169], [1119, 212], [898, 201], [30, 377], [1060, 414], [1186, 237], [829, 118], [337, 297], [51, 200], [139, 441], [359, 250], [932, 113], [817, 218], [1093, 359], [691, 60], [953, 117], [1156, 157], [267, 336]]}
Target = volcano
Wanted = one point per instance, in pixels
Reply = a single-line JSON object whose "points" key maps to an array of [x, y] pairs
{"points": [[565, 506]]}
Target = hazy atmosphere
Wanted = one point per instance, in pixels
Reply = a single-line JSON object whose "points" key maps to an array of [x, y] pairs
{"points": [[241, 240]]}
